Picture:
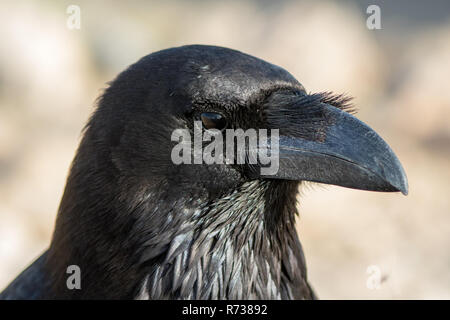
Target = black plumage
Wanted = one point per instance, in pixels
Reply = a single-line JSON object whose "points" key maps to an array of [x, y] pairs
{"points": [[141, 227]]}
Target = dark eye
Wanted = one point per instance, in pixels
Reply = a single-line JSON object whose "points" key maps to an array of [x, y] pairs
{"points": [[213, 120]]}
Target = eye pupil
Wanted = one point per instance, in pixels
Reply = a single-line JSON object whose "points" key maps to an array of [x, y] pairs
{"points": [[213, 120]]}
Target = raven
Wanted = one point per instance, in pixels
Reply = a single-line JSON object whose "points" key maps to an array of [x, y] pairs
{"points": [[139, 226]]}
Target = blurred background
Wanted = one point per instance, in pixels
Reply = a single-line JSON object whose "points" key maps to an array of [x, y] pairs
{"points": [[358, 245]]}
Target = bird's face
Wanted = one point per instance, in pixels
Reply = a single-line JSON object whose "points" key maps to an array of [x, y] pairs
{"points": [[171, 105]]}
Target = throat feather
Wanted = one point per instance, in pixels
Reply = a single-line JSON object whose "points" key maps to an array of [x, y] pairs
{"points": [[231, 248]]}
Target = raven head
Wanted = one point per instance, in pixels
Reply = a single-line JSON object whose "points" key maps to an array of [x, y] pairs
{"points": [[135, 220], [225, 89]]}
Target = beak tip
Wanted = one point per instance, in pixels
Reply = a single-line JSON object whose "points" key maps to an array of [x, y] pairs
{"points": [[405, 188], [405, 191], [402, 184]]}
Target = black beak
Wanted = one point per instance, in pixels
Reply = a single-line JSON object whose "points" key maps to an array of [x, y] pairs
{"points": [[349, 154]]}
